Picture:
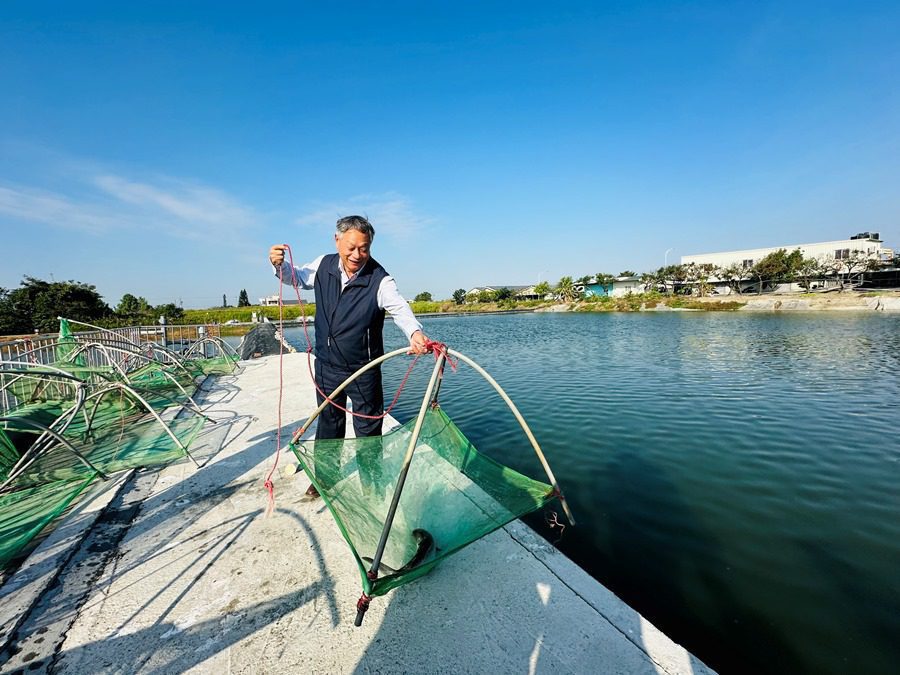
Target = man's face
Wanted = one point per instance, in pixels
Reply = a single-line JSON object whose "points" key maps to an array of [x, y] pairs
{"points": [[353, 247]]}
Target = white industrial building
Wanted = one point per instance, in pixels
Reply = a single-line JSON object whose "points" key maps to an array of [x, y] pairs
{"points": [[866, 242]]}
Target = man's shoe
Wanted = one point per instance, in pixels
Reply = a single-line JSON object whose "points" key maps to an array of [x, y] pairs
{"points": [[311, 493]]}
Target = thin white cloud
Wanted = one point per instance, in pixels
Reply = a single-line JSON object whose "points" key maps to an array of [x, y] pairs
{"points": [[186, 202], [54, 209], [95, 203], [391, 213]]}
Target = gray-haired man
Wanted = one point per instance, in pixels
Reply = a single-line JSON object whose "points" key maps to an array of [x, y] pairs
{"points": [[352, 293]]}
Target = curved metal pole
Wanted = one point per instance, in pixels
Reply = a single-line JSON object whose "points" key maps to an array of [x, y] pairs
{"points": [[210, 339], [36, 350], [196, 407], [515, 411], [37, 425], [48, 372], [173, 357], [227, 346], [343, 385], [164, 373], [372, 574], [68, 415], [130, 390], [100, 328], [24, 375], [85, 346], [137, 353], [124, 339], [407, 460], [112, 362], [27, 368], [481, 371]]}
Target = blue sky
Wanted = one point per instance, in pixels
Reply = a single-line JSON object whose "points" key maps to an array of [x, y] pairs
{"points": [[159, 150]]}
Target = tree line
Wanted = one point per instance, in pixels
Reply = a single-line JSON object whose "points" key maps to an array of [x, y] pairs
{"points": [[775, 268], [778, 267], [36, 305]]}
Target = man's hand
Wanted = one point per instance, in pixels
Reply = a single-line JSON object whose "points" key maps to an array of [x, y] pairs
{"points": [[417, 342], [276, 254]]}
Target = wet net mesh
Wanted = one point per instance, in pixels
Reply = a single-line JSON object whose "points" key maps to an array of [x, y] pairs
{"points": [[70, 420], [452, 496], [25, 512]]}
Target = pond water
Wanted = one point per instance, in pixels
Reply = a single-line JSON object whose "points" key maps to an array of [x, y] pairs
{"points": [[735, 476]]}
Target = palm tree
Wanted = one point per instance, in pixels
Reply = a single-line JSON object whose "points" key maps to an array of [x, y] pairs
{"points": [[565, 289]]}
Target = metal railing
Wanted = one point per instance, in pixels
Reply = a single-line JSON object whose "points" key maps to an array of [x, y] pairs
{"points": [[39, 349], [43, 349]]}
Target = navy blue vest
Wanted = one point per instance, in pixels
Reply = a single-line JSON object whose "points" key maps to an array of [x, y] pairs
{"points": [[349, 324]]}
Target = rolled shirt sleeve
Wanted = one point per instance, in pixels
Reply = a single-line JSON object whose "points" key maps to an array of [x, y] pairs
{"points": [[305, 274], [389, 298]]}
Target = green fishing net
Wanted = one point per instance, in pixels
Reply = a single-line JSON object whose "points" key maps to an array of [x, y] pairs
{"points": [[108, 426], [452, 496], [8, 455], [25, 512], [111, 448]]}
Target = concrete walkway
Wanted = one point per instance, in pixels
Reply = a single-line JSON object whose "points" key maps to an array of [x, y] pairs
{"points": [[187, 573]]}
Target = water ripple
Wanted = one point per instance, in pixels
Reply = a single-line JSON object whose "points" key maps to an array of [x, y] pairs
{"points": [[735, 477]]}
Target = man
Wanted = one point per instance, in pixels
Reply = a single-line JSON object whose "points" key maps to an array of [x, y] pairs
{"points": [[352, 293]]}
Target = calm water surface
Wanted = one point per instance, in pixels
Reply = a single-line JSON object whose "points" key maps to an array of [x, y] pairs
{"points": [[736, 477]]}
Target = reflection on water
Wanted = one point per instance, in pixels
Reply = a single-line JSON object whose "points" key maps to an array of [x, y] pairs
{"points": [[735, 476]]}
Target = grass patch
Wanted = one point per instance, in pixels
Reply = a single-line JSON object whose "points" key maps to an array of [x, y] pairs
{"points": [[243, 314]]}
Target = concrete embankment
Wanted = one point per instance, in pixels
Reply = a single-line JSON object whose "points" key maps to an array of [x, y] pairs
{"points": [[832, 302], [195, 576]]}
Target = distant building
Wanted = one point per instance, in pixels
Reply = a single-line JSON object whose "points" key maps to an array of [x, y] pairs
{"points": [[620, 287], [867, 242], [272, 301]]}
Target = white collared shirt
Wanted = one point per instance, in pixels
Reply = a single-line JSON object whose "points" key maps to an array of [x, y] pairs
{"points": [[389, 297]]}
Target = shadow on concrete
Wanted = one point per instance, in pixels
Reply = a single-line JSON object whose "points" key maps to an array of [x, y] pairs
{"points": [[161, 521], [169, 512], [165, 518], [151, 649], [459, 619], [166, 646]]}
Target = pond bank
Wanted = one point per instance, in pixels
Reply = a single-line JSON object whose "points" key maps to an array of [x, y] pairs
{"points": [[881, 302], [203, 578]]}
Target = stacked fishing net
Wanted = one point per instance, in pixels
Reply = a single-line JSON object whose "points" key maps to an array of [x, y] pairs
{"points": [[76, 411]]}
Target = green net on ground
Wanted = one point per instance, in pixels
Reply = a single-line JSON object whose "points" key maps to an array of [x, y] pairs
{"points": [[112, 448], [8, 455], [453, 495], [218, 365], [25, 512], [98, 409]]}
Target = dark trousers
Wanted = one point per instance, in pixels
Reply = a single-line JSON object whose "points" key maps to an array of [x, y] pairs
{"points": [[368, 398], [366, 394]]}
